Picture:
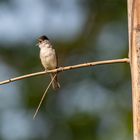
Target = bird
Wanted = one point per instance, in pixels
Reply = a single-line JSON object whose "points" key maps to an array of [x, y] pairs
{"points": [[48, 58]]}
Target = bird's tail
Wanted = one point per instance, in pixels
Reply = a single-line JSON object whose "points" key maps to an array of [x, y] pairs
{"points": [[55, 83]]}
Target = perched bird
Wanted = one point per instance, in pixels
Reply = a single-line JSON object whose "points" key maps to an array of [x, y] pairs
{"points": [[48, 58]]}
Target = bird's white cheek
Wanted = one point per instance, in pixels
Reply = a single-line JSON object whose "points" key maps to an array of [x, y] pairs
{"points": [[40, 46]]}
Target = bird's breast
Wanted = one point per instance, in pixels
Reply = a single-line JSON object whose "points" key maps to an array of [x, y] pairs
{"points": [[48, 58]]}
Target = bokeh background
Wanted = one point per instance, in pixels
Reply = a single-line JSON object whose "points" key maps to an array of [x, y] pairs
{"points": [[93, 103]]}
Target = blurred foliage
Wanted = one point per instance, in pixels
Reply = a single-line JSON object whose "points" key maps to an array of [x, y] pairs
{"points": [[108, 86]]}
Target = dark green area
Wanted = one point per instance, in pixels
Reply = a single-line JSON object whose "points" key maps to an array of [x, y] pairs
{"points": [[107, 120]]}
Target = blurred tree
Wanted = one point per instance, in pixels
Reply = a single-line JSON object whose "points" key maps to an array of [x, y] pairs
{"points": [[92, 103]]}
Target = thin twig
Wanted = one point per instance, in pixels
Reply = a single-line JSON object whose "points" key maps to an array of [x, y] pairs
{"points": [[124, 60], [44, 94]]}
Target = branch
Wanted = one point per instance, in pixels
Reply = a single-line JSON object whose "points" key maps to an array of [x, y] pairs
{"points": [[44, 94], [60, 69]]}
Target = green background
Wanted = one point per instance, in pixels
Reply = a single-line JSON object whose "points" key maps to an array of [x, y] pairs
{"points": [[93, 103]]}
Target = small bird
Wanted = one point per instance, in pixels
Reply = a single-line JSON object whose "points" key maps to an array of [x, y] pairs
{"points": [[48, 58]]}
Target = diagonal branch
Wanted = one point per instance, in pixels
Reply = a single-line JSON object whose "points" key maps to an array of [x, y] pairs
{"points": [[60, 69], [44, 94]]}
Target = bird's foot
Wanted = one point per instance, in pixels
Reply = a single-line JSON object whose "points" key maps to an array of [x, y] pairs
{"points": [[60, 69]]}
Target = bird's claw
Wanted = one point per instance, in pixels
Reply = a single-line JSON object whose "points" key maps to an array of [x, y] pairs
{"points": [[60, 69]]}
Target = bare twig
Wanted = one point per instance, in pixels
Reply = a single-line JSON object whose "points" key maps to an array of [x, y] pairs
{"points": [[124, 60], [44, 94]]}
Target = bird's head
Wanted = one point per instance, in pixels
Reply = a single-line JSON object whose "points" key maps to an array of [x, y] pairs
{"points": [[42, 39]]}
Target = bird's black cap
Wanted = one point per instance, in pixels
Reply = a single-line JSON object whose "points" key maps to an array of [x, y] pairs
{"points": [[43, 37]]}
